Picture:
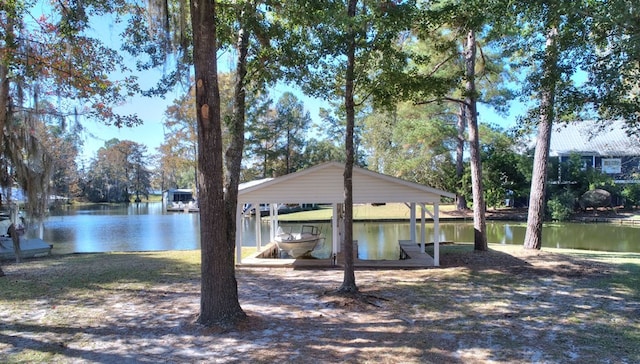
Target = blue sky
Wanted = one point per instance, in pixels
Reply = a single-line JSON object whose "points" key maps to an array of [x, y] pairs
{"points": [[150, 133], [151, 110]]}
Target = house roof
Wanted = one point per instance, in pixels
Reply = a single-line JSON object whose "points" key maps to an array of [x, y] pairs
{"points": [[324, 184], [590, 138]]}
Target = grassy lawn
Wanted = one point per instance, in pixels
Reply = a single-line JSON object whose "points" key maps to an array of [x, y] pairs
{"points": [[81, 273], [391, 211], [399, 211]]}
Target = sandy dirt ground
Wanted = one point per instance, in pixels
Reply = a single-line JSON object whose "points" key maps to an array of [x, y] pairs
{"points": [[491, 307]]}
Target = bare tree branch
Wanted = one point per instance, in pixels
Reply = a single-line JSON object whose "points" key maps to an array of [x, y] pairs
{"points": [[446, 98]]}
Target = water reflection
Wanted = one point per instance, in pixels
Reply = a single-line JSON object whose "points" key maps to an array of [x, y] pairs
{"points": [[145, 227], [137, 227]]}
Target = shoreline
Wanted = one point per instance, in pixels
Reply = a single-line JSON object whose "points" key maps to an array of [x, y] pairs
{"points": [[505, 214]]}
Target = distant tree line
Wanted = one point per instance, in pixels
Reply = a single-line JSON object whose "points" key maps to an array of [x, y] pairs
{"points": [[118, 173], [419, 145]]}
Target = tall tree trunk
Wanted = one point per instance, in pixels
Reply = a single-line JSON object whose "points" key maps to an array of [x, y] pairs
{"points": [[461, 201], [1, 272], [537, 199], [237, 126], [5, 103], [6, 55], [479, 220], [287, 157], [15, 238], [195, 171], [4, 110], [219, 289], [349, 280], [264, 161], [234, 151], [4, 95]]}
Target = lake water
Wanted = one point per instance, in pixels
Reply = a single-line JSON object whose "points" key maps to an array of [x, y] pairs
{"points": [[145, 227]]}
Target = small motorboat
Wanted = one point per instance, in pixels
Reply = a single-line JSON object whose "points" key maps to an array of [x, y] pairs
{"points": [[29, 248], [298, 244]]}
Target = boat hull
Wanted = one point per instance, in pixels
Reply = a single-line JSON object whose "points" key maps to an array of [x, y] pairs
{"points": [[298, 244], [30, 248], [298, 248]]}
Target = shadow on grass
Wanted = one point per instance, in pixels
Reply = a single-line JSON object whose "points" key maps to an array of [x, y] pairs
{"points": [[487, 306], [603, 268], [55, 276], [46, 349], [532, 262], [460, 315]]}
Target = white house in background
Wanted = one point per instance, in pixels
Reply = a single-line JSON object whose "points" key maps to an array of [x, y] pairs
{"points": [[608, 149], [179, 199], [324, 184]]}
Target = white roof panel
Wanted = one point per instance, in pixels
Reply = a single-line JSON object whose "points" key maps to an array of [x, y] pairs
{"points": [[324, 184], [590, 138]]}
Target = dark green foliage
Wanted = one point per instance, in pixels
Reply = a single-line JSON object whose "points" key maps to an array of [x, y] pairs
{"points": [[276, 139], [414, 143], [504, 169], [320, 151], [613, 61], [578, 181], [562, 206], [117, 173], [631, 194]]}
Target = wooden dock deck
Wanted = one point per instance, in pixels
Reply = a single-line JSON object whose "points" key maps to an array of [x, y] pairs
{"points": [[414, 260]]}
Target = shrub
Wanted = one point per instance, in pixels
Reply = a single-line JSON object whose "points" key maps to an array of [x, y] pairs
{"points": [[561, 206], [631, 194]]}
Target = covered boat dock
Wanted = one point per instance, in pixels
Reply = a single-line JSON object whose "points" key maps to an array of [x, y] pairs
{"points": [[323, 184]]}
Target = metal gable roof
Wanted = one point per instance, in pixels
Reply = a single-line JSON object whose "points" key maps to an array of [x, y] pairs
{"points": [[324, 184], [589, 138]]}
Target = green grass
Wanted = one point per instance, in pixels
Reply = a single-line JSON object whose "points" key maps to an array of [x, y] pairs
{"points": [[85, 272], [74, 272], [391, 211]]}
